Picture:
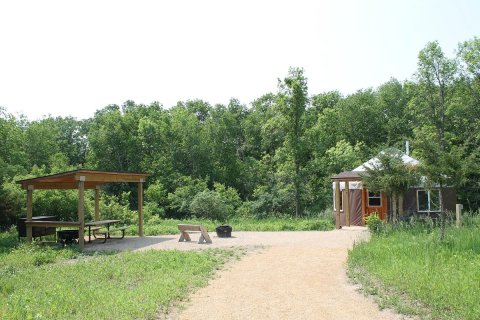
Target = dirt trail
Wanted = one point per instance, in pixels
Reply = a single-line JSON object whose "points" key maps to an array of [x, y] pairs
{"points": [[288, 280]]}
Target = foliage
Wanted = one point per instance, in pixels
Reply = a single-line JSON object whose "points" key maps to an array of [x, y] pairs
{"points": [[390, 175], [409, 260], [293, 100], [184, 194], [374, 223], [207, 204]]}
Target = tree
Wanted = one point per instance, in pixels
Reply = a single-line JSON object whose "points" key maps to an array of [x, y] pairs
{"points": [[392, 101], [436, 78], [293, 100], [41, 140], [390, 175], [467, 128]]}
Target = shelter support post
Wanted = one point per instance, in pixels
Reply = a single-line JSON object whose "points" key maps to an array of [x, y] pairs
{"points": [[81, 212], [337, 204], [29, 212], [97, 203], [140, 208], [458, 215], [364, 204], [346, 205]]}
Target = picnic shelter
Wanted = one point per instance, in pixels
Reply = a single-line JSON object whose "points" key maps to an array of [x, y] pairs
{"points": [[80, 179]]}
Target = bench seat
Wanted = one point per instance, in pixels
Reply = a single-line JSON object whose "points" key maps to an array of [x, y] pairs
{"points": [[204, 236], [106, 233]]}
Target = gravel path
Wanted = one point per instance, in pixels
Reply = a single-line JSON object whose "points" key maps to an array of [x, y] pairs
{"points": [[297, 275]]}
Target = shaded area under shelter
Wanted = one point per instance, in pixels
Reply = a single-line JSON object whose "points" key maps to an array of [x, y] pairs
{"points": [[79, 179]]}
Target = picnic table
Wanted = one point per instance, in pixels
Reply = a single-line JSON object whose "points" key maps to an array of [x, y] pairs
{"points": [[96, 225]]}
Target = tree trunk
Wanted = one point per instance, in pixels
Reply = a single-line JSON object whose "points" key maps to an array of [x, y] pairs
{"points": [[400, 205], [442, 215], [298, 205], [394, 207]]}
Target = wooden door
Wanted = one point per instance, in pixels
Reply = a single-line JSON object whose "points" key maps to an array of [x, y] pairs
{"points": [[375, 203]]}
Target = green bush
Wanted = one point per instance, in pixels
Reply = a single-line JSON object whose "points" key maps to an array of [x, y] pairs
{"points": [[374, 223], [113, 207], [151, 211], [208, 204], [229, 196], [180, 200], [157, 194]]}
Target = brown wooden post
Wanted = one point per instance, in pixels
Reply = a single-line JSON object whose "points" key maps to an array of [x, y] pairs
{"points": [[337, 204], [81, 212], [364, 204], [97, 203], [29, 211], [140, 208], [346, 205]]}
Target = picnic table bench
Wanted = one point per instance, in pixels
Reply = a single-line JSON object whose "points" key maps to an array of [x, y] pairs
{"points": [[107, 233], [204, 237]]}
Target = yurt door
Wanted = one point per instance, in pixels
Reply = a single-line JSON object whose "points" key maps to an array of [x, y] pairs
{"points": [[375, 203]]}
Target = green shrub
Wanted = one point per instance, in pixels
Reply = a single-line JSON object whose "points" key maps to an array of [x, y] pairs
{"points": [[180, 200], [208, 204], [374, 223], [152, 212], [113, 207], [157, 194]]}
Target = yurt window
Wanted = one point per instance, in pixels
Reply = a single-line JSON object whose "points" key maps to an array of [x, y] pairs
{"points": [[374, 199], [428, 200]]}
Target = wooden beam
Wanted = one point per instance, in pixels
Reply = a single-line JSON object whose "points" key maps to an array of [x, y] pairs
{"points": [[46, 224], [346, 205], [97, 203], [140, 208], [337, 204], [29, 212], [111, 177], [60, 185], [81, 213]]}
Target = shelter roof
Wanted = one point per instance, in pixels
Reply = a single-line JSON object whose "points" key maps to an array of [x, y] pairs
{"points": [[70, 179], [347, 176]]}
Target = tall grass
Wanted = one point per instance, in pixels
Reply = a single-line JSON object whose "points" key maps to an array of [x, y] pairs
{"points": [[169, 226], [409, 261]]}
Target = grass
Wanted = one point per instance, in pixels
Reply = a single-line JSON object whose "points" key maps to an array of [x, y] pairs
{"points": [[41, 282], [169, 226], [409, 269], [49, 282]]}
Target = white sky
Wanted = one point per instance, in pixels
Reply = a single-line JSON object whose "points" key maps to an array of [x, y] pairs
{"points": [[75, 57]]}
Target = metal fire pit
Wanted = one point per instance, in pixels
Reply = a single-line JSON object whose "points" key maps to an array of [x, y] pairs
{"points": [[67, 236], [224, 231]]}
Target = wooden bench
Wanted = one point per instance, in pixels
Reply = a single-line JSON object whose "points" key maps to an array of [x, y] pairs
{"points": [[204, 237], [106, 233]]}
